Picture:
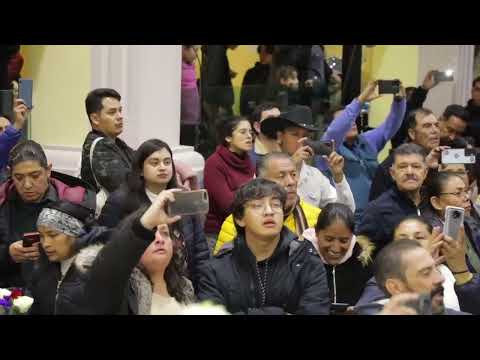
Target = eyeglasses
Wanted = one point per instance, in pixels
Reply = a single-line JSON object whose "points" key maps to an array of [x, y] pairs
{"points": [[458, 194], [262, 208]]}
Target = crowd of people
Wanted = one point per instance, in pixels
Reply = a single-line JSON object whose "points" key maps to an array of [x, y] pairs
{"points": [[290, 229]]}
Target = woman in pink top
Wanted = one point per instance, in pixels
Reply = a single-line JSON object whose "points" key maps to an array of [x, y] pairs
{"points": [[190, 97]]}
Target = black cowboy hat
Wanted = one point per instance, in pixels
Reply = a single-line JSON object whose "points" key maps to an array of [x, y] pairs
{"points": [[295, 115]]}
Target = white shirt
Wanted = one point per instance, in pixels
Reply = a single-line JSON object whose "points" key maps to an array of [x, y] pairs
{"points": [[315, 189], [151, 196], [450, 299], [165, 305]]}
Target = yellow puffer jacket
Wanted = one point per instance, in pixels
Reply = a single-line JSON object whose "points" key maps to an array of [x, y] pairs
{"points": [[228, 232]]}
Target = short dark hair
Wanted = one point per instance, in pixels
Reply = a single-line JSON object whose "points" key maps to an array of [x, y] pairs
{"points": [[264, 162], [254, 190], [416, 218], [334, 212], [256, 115], [27, 151], [226, 125], [412, 116], [456, 110], [474, 82], [93, 102], [390, 263], [409, 149]]}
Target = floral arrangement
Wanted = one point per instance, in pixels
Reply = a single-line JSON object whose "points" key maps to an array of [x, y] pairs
{"points": [[13, 302]]}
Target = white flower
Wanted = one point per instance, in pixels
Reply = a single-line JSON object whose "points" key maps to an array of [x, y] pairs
{"points": [[4, 292], [206, 308], [23, 304]]}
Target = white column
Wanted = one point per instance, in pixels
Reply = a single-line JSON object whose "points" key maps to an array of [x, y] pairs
{"points": [[442, 57], [148, 77]]}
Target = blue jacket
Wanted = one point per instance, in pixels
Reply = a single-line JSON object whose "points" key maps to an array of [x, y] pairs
{"points": [[360, 167], [469, 295]]}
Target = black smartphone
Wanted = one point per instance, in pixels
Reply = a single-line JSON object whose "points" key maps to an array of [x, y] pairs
{"points": [[423, 306], [320, 148], [388, 86], [30, 238], [339, 308], [25, 92], [441, 76], [189, 203]]}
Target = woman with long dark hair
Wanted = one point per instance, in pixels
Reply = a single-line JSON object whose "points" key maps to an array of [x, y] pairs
{"points": [[153, 171], [226, 171], [85, 269]]}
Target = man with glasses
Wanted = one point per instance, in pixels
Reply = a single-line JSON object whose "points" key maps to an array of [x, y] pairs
{"points": [[473, 108], [268, 271], [298, 215]]}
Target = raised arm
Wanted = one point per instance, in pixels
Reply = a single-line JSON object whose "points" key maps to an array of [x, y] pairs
{"points": [[340, 126]]}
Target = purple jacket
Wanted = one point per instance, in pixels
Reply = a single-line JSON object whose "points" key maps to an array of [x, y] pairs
{"points": [[8, 139], [377, 138]]}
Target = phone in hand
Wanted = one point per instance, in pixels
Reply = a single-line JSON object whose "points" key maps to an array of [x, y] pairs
{"points": [[454, 217], [189, 203], [459, 156], [320, 148], [25, 92], [30, 238], [388, 86], [441, 76], [423, 306]]}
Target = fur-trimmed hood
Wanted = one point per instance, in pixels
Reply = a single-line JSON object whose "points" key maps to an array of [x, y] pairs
{"points": [[366, 247]]}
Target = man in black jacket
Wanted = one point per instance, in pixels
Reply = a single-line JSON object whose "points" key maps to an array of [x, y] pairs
{"points": [[32, 186], [409, 171], [112, 157], [268, 271], [255, 82], [473, 108], [423, 130]]}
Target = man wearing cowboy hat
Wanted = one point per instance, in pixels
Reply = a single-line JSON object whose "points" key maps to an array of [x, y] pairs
{"points": [[293, 127]]}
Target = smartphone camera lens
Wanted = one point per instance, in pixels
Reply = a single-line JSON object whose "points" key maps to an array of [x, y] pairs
{"points": [[456, 215]]}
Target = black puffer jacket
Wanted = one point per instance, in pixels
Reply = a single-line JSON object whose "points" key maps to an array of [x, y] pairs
{"points": [[296, 280], [473, 128], [62, 187], [54, 295], [118, 207]]}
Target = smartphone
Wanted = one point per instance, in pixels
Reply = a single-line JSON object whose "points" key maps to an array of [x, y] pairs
{"points": [[459, 156], [30, 238], [25, 92], [338, 308], [423, 306], [454, 217], [441, 76], [189, 203], [320, 148], [388, 86]]}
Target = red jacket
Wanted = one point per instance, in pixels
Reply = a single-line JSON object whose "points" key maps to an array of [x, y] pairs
{"points": [[225, 172]]}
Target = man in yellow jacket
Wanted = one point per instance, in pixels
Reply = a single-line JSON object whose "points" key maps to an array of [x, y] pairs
{"points": [[299, 215]]}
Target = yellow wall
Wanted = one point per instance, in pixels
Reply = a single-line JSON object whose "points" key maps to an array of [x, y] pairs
{"points": [[62, 78], [386, 62]]}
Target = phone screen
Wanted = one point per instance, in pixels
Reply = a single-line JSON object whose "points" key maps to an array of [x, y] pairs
{"points": [[25, 92], [189, 203]]}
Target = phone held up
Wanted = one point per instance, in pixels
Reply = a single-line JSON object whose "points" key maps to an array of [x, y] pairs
{"points": [[388, 86], [320, 148], [459, 156], [454, 217], [189, 203], [30, 238]]}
